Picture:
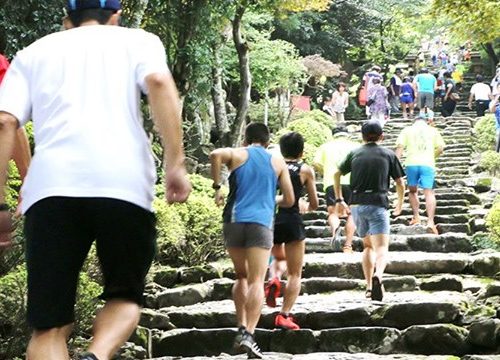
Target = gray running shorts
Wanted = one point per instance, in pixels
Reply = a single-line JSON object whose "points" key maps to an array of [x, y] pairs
{"points": [[425, 99], [247, 235]]}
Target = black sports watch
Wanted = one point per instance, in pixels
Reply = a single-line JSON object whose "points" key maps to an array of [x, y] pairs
{"points": [[339, 200], [4, 207], [216, 186]]}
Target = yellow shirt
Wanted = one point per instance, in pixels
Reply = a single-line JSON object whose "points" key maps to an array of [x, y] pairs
{"points": [[330, 155], [420, 141]]}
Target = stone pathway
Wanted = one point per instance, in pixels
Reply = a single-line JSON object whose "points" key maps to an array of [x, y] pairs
{"points": [[443, 298]]}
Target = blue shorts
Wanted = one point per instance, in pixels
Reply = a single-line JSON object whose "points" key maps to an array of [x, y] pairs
{"points": [[421, 176], [371, 220]]}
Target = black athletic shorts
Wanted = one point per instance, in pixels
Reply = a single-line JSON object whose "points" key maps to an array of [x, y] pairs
{"points": [[288, 228], [59, 233], [330, 195]]}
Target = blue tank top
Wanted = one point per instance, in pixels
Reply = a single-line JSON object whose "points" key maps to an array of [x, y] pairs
{"points": [[252, 190]]}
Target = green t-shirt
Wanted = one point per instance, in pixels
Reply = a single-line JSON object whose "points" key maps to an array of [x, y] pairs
{"points": [[330, 155], [420, 141]]}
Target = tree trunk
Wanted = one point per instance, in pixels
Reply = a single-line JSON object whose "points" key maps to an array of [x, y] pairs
{"points": [[245, 76], [219, 101], [134, 12], [492, 55]]}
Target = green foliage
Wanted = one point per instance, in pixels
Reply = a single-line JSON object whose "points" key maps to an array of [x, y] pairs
{"points": [[190, 233], [493, 222], [315, 115], [490, 161], [14, 330], [485, 133], [314, 132], [481, 241]]}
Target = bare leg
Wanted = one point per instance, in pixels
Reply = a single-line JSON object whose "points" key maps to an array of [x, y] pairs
{"points": [[380, 244], [350, 228], [113, 326], [294, 258], [257, 265], [415, 204], [333, 219], [49, 344], [240, 287], [430, 206], [368, 262], [278, 266]]}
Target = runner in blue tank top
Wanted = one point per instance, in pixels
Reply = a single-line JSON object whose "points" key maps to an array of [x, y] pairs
{"points": [[248, 221]]}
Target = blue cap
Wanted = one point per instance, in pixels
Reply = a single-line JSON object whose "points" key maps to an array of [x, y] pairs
{"points": [[74, 5]]}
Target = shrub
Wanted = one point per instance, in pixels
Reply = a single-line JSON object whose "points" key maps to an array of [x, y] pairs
{"points": [[314, 133], [490, 161], [485, 133], [190, 233], [315, 115], [493, 221], [14, 330]]}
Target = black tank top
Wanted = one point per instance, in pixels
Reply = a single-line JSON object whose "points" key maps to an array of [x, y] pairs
{"points": [[294, 170]]}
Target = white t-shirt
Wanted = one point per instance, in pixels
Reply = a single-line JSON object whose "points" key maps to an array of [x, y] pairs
{"points": [[481, 91], [82, 88]]}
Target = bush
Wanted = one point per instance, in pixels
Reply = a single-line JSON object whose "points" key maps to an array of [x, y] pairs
{"points": [[314, 133], [14, 330], [490, 161], [190, 233], [485, 133], [493, 221], [315, 115]]}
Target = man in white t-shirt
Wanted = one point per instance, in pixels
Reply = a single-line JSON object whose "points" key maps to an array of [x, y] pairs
{"points": [[481, 92], [93, 173]]}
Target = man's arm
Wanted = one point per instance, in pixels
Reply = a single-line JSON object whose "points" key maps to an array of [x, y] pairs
{"points": [[217, 158], [310, 185], [400, 190], [8, 128], [471, 97], [399, 151], [22, 153], [165, 108]]}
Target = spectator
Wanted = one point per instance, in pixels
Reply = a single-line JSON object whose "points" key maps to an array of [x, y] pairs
{"points": [[495, 109], [366, 84], [340, 101], [481, 92], [327, 105]]}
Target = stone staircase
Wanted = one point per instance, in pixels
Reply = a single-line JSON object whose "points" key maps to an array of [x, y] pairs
{"points": [[442, 300]]}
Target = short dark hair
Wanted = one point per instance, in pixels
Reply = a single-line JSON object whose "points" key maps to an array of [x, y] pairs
{"points": [[257, 133], [424, 70], [371, 137], [479, 77], [292, 145], [341, 84], [102, 16], [447, 74], [376, 80]]}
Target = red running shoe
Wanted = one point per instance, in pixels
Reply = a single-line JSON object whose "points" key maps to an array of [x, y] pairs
{"points": [[272, 291], [285, 322]]}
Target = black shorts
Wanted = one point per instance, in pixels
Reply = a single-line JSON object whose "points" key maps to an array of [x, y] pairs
{"points": [[288, 228], [59, 233], [330, 195]]}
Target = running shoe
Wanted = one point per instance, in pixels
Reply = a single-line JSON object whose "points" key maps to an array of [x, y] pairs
{"points": [[87, 356], [272, 291], [239, 336], [377, 289], [335, 241], [248, 343], [285, 322]]}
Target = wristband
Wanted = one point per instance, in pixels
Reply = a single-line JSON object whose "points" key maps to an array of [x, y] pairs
{"points": [[4, 207], [339, 200], [216, 186]]}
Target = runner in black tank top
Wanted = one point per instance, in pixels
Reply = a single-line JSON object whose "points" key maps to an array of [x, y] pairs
{"points": [[289, 232]]}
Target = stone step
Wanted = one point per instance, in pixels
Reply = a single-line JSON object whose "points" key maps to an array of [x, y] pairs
{"points": [[448, 242], [337, 356], [340, 309]]}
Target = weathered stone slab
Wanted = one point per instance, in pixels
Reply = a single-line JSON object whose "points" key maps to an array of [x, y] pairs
{"points": [[442, 283], [293, 342], [403, 315], [485, 333], [152, 319], [436, 339], [486, 264], [328, 356], [185, 295], [379, 340]]}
